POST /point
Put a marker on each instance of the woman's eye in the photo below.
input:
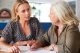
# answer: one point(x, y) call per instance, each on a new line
point(28, 9)
point(23, 11)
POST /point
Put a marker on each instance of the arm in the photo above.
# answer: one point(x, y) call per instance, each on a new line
point(6, 38)
point(7, 47)
point(24, 43)
point(72, 40)
point(43, 40)
point(3, 43)
point(40, 42)
point(35, 27)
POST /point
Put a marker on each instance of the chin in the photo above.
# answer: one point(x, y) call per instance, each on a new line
point(26, 19)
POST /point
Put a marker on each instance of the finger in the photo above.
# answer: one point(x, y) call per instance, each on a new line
point(10, 50)
point(13, 49)
point(31, 41)
point(51, 48)
point(17, 50)
point(33, 46)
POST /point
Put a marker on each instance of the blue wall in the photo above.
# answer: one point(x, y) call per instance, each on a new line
point(2, 25)
point(44, 26)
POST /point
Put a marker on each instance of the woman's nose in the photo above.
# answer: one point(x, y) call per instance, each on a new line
point(26, 13)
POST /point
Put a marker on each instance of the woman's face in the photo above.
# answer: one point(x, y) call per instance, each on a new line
point(23, 12)
point(53, 17)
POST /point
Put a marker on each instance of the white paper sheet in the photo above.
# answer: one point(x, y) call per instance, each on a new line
point(26, 49)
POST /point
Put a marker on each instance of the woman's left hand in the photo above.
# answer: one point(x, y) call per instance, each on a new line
point(53, 47)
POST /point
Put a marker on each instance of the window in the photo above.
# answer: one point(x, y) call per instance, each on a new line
point(41, 11)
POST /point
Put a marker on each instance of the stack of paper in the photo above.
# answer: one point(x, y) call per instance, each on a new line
point(26, 49)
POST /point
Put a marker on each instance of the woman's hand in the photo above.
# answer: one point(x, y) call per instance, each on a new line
point(30, 42)
point(36, 45)
point(14, 49)
point(53, 47)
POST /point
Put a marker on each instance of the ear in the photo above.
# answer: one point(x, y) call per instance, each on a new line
point(17, 13)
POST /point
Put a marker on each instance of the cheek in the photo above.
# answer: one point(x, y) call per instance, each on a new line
point(54, 19)
point(51, 17)
point(21, 14)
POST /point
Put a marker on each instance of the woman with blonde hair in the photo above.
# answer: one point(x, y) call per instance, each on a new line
point(63, 36)
point(22, 29)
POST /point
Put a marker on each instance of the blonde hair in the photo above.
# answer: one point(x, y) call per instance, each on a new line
point(15, 7)
point(64, 13)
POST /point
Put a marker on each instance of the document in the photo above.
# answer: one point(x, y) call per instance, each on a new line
point(26, 49)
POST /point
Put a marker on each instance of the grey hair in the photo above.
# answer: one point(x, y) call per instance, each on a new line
point(64, 13)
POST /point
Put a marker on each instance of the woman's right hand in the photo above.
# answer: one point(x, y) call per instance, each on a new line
point(14, 49)
point(36, 45)
point(31, 42)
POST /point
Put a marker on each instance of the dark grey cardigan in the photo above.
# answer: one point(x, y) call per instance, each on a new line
point(13, 31)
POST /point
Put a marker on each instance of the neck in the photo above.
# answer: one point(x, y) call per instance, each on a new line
point(60, 25)
point(23, 23)
point(60, 28)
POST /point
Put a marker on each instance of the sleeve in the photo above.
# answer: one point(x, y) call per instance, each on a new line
point(7, 33)
point(45, 39)
point(72, 40)
point(35, 27)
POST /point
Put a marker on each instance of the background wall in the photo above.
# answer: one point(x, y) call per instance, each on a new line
point(43, 19)
point(9, 3)
point(6, 3)
point(78, 8)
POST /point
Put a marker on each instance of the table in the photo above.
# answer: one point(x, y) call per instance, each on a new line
point(25, 49)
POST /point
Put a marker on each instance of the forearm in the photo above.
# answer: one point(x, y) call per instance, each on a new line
point(9, 48)
point(24, 43)
point(4, 44)
point(21, 43)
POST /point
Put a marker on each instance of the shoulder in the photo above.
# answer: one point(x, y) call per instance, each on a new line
point(73, 31)
point(11, 24)
point(50, 30)
point(34, 22)
point(72, 27)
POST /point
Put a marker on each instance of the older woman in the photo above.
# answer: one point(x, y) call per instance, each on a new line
point(22, 30)
point(63, 36)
